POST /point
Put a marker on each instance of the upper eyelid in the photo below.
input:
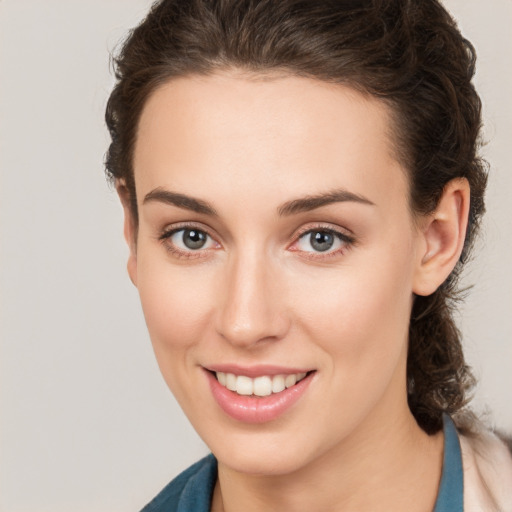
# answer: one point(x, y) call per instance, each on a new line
point(320, 228)
point(170, 230)
point(343, 232)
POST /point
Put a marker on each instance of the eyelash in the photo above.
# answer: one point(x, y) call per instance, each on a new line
point(347, 242)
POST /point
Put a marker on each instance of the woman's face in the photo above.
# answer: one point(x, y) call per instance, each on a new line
point(274, 239)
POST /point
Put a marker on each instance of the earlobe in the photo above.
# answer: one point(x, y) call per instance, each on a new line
point(131, 267)
point(442, 237)
point(130, 230)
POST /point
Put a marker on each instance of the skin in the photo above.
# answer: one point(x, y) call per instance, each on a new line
point(259, 293)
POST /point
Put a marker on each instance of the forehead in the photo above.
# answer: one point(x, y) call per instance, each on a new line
point(236, 132)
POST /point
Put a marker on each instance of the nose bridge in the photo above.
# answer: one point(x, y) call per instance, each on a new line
point(252, 309)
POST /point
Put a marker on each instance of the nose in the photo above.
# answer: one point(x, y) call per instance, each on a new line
point(252, 302)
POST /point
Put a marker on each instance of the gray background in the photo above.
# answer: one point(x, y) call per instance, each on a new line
point(87, 423)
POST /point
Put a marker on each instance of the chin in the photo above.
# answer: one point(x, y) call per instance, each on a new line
point(266, 457)
point(256, 464)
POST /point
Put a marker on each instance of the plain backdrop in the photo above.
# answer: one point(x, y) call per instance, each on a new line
point(87, 423)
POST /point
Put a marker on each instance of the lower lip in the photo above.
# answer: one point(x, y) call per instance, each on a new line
point(253, 409)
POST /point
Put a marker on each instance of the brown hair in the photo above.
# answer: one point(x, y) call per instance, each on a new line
point(408, 53)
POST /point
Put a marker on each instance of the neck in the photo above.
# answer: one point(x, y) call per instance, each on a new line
point(382, 466)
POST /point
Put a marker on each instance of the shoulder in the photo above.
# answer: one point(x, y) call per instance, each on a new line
point(190, 490)
point(487, 464)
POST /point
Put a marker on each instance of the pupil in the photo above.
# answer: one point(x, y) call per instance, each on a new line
point(322, 241)
point(194, 239)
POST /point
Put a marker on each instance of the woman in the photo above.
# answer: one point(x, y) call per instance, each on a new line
point(301, 188)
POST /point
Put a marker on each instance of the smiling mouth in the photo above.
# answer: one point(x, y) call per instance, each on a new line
point(264, 385)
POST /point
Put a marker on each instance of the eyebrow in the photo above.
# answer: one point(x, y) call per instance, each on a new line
point(292, 207)
point(309, 203)
point(180, 200)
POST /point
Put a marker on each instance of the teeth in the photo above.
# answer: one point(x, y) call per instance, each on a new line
point(278, 384)
point(230, 381)
point(244, 385)
point(290, 381)
point(222, 378)
point(260, 386)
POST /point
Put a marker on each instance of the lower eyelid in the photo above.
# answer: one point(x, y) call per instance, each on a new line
point(186, 255)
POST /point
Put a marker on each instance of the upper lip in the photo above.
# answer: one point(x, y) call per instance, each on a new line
point(256, 370)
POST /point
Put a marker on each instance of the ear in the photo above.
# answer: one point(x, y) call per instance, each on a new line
point(130, 229)
point(442, 236)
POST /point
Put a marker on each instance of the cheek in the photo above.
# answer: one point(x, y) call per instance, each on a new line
point(359, 320)
point(177, 302)
point(360, 313)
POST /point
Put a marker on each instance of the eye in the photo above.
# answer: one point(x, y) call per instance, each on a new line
point(189, 239)
point(322, 241)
